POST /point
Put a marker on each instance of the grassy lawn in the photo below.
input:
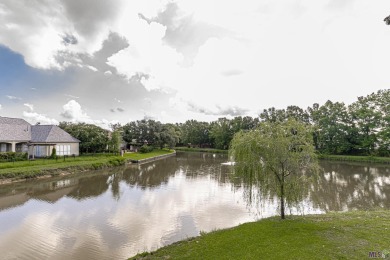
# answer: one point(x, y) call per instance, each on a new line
point(141, 156)
point(350, 235)
point(353, 158)
point(203, 150)
point(38, 167)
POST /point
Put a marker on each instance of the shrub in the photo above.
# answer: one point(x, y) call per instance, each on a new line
point(117, 161)
point(12, 156)
point(53, 153)
point(146, 149)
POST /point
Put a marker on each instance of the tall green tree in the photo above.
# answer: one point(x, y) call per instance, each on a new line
point(222, 133)
point(276, 158)
point(195, 132)
point(93, 138)
point(366, 116)
point(383, 135)
point(169, 136)
point(333, 128)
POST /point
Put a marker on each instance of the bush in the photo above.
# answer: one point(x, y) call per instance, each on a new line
point(12, 156)
point(117, 161)
point(146, 149)
point(53, 153)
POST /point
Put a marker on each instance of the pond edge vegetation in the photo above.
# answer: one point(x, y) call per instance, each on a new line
point(346, 235)
point(43, 168)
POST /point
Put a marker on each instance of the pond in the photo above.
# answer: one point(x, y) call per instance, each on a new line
point(117, 213)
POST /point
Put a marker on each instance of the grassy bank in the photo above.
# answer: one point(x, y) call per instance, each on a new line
point(202, 150)
point(42, 167)
point(353, 158)
point(154, 153)
point(350, 235)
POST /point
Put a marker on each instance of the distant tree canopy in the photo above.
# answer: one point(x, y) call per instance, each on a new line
point(361, 128)
point(94, 139)
point(387, 20)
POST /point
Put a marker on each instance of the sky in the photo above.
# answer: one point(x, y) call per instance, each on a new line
point(104, 62)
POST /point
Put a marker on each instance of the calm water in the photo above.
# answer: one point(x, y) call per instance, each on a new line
point(118, 213)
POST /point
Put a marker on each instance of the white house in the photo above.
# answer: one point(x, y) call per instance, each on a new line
point(17, 135)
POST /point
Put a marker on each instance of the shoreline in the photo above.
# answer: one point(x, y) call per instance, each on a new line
point(333, 235)
point(342, 158)
point(43, 172)
point(355, 158)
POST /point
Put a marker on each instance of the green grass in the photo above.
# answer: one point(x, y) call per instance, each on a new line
point(353, 158)
point(203, 150)
point(39, 167)
point(141, 156)
point(350, 235)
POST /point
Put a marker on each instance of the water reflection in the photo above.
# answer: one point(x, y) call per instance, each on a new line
point(349, 186)
point(117, 213)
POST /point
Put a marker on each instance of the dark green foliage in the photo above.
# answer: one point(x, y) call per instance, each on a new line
point(146, 149)
point(196, 133)
point(94, 139)
point(13, 156)
point(387, 20)
point(53, 153)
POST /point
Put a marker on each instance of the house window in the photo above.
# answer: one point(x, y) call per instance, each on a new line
point(63, 149)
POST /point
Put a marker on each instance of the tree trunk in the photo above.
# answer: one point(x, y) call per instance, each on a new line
point(282, 198)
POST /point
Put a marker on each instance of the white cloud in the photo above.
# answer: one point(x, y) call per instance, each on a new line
point(272, 53)
point(71, 96)
point(92, 68)
point(274, 58)
point(30, 106)
point(13, 98)
point(41, 118)
point(1, 107)
point(73, 112)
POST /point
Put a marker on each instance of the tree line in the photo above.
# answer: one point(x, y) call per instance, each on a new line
point(359, 128)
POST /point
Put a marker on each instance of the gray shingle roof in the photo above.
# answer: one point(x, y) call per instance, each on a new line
point(50, 134)
point(14, 129)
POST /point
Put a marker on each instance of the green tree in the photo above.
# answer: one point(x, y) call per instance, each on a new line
point(387, 20)
point(383, 135)
point(276, 158)
point(115, 141)
point(366, 116)
point(195, 132)
point(169, 136)
point(333, 128)
point(93, 138)
point(222, 133)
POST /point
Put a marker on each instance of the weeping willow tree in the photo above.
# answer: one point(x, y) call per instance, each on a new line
point(276, 158)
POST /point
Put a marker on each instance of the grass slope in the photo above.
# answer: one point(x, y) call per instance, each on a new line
point(349, 235)
point(154, 153)
point(39, 167)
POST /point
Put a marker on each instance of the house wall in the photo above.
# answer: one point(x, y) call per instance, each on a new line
point(19, 147)
point(74, 148)
point(44, 150)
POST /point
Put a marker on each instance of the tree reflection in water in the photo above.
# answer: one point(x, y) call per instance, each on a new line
point(341, 186)
point(351, 186)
